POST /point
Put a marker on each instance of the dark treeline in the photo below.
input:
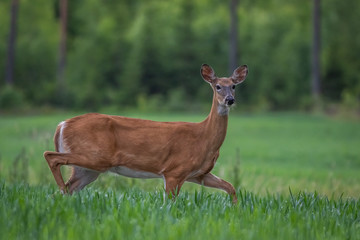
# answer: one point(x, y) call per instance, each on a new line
point(147, 54)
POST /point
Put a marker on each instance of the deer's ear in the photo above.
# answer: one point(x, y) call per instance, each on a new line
point(207, 73)
point(239, 74)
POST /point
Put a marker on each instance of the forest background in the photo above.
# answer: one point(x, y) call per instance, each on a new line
point(146, 55)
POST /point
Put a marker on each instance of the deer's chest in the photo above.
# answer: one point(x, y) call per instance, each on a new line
point(210, 163)
point(206, 165)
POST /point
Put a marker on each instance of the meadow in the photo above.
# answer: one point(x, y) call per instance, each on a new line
point(297, 177)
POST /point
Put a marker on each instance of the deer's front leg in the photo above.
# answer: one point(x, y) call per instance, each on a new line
point(210, 180)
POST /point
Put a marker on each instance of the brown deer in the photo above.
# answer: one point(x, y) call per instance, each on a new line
point(176, 151)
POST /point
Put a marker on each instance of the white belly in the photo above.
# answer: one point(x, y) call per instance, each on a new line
point(128, 172)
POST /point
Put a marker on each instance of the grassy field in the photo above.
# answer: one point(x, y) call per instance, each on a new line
point(297, 175)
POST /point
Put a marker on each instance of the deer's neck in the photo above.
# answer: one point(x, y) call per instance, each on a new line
point(215, 125)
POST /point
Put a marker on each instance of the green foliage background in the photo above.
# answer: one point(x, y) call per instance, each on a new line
point(124, 53)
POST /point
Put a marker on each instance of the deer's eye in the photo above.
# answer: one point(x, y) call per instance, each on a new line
point(218, 87)
point(233, 87)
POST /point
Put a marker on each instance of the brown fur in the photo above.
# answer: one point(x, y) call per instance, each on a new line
point(179, 151)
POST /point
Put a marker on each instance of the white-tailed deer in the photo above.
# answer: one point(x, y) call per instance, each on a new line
point(176, 151)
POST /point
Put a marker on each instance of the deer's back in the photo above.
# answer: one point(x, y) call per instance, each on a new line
point(131, 142)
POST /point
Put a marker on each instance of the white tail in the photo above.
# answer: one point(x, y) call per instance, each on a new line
point(176, 151)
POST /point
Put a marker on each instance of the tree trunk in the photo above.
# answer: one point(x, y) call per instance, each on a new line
point(233, 50)
point(315, 80)
point(9, 71)
point(62, 45)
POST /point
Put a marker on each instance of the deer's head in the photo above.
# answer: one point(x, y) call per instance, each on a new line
point(224, 88)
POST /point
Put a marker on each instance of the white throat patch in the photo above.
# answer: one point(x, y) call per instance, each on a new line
point(223, 109)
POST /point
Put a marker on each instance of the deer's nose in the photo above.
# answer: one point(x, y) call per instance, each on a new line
point(229, 100)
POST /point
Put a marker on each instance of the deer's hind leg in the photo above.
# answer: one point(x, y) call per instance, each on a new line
point(79, 180)
point(80, 177)
point(54, 166)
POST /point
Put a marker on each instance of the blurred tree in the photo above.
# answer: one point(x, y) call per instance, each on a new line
point(277, 52)
point(341, 45)
point(62, 45)
point(36, 51)
point(163, 57)
point(185, 70)
point(233, 49)
point(98, 51)
point(316, 51)
point(11, 43)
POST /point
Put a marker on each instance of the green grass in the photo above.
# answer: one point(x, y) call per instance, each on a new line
point(317, 157)
point(41, 213)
